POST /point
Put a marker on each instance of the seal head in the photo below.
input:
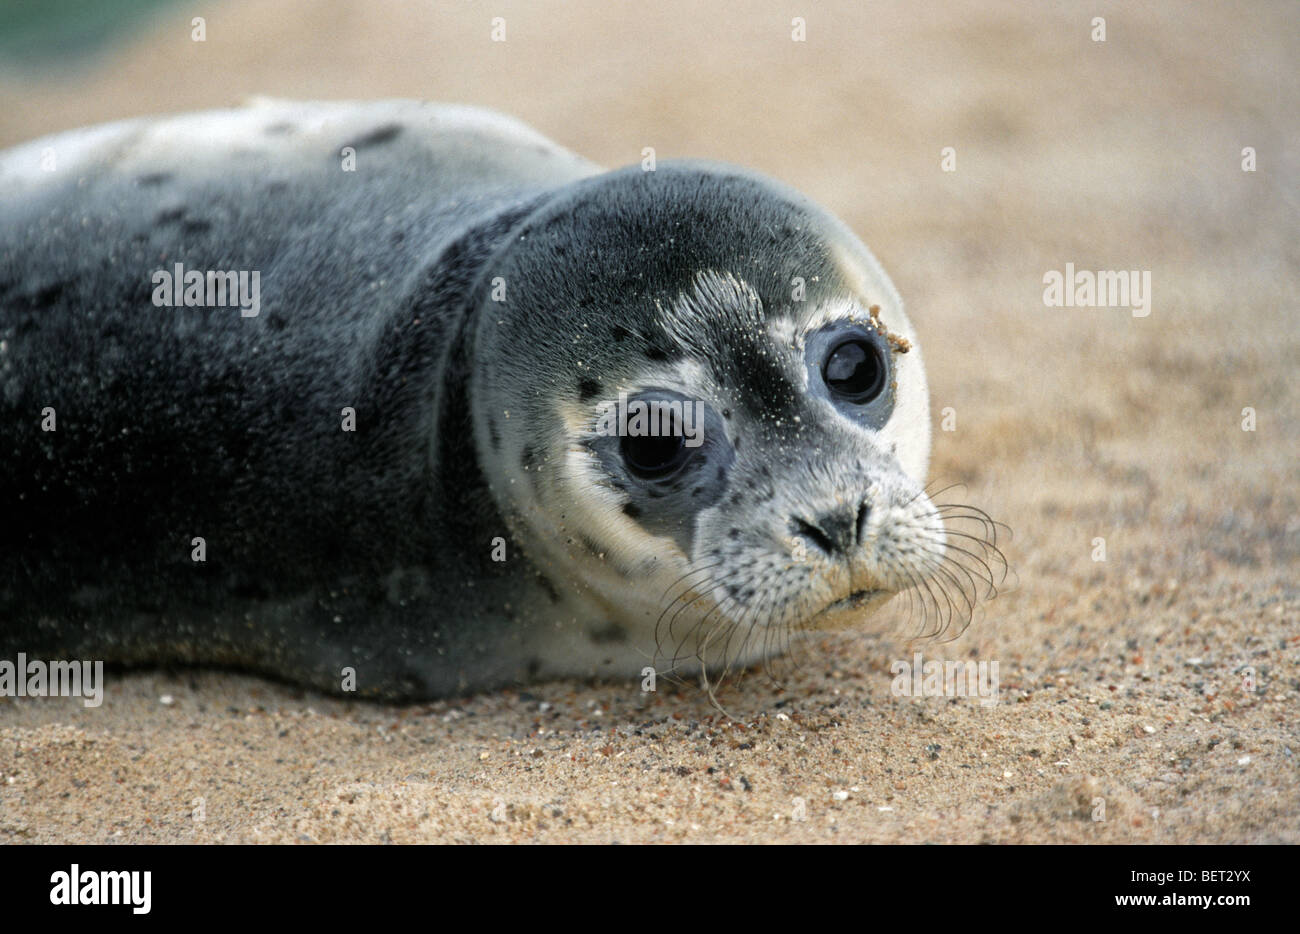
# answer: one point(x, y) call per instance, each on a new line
point(800, 503)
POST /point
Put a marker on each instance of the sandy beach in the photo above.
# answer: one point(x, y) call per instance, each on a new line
point(1150, 697)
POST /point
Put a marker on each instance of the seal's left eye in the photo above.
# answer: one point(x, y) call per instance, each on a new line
point(855, 370)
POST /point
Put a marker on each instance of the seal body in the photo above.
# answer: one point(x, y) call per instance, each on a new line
point(382, 467)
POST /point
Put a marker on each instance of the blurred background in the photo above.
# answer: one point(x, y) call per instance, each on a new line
point(1070, 424)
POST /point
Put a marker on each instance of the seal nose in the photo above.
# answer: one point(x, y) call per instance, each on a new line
point(836, 533)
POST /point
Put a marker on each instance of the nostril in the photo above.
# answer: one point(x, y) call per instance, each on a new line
point(860, 526)
point(814, 535)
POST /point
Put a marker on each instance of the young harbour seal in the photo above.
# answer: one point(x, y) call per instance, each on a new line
point(316, 390)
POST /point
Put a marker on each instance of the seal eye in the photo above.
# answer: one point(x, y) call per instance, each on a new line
point(653, 457)
point(854, 370)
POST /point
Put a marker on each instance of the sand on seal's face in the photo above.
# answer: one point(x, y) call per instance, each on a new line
point(1160, 682)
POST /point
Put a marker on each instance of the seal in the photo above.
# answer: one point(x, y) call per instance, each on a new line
point(355, 395)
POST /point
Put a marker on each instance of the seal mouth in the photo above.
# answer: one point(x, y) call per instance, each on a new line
point(850, 610)
point(854, 601)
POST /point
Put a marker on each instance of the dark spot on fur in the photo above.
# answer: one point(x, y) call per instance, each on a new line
point(588, 389)
point(589, 545)
point(534, 666)
point(529, 458)
point(154, 178)
point(380, 135)
point(620, 333)
point(733, 533)
point(196, 226)
point(169, 216)
point(47, 297)
point(611, 632)
point(632, 510)
point(657, 347)
point(277, 186)
point(493, 436)
point(278, 129)
point(548, 587)
point(397, 237)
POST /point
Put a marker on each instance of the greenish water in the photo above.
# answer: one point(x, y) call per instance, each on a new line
point(35, 34)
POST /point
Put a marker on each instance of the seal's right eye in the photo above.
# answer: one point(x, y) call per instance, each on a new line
point(654, 457)
point(854, 370)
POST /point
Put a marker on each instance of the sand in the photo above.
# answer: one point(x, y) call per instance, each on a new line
point(1156, 690)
